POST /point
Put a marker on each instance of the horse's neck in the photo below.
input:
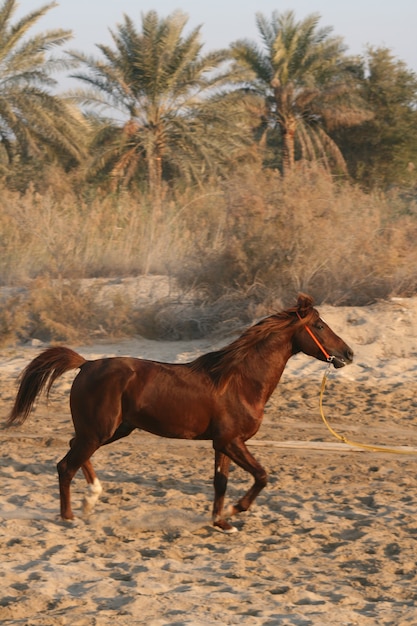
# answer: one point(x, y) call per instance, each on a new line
point(267, 367)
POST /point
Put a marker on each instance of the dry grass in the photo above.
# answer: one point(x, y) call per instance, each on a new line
point(65, 311)
point(245, 246)
point(306, 233)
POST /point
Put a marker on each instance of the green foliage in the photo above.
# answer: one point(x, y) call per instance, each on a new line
point(307, 85)
point(166, 117)
point(161, 115)
point(383, 151)
point(34, 124)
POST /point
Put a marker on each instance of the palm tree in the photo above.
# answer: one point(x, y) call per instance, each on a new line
point(33, 122)
point(167, 110)
point(306, 83)
point(383, 151)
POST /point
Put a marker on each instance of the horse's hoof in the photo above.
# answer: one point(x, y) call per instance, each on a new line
point(68, 521)
point(224, 527)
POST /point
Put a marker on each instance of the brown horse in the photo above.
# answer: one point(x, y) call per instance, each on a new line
point(220, 396)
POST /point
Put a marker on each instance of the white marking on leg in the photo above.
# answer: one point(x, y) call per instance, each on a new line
point(229, 512)
point(223, 526)
point(94, 491)
point(227, 531)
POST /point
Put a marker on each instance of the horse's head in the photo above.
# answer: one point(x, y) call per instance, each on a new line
point(315, 338)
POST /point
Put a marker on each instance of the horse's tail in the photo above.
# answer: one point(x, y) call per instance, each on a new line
point(40, 374)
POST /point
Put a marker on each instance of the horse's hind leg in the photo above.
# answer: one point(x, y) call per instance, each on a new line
point(221, 473)
point(78, 456)
point(94, 487)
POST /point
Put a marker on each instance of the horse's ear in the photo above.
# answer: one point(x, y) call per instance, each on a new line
point(304, 304)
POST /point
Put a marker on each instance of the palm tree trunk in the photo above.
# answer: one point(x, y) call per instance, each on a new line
point(155, 193)
point(288, 151)
point(155, 185)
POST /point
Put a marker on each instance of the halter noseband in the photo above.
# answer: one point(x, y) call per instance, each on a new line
point(329, 358)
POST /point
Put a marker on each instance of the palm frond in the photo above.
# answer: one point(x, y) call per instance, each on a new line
point(31, 116)
point(171, 113)
point(307, 82)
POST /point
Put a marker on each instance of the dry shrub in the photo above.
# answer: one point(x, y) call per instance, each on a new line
point(71, 238)
point(199, 317)
point(239, 248)
point(307, 233)
point(66, 311)
point(14, 320)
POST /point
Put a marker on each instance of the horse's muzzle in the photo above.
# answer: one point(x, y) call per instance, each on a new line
point(339, 360)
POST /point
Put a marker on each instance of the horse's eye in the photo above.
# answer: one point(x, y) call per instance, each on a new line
point(319, 326)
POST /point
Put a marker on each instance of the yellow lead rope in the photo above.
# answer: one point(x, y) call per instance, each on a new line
point(356, 444)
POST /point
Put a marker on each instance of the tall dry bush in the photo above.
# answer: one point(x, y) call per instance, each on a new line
point(67, 236)
point(70, 311)
point(242, 247)
point(307, 233)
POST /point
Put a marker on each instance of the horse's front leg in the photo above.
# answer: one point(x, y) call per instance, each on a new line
point(239, 454)
point(221, 474)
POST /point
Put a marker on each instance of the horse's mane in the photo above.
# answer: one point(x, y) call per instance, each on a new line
point(222, 364)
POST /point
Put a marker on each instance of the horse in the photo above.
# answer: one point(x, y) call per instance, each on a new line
point(219, 396)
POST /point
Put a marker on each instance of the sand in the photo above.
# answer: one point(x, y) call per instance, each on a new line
point(331, 540)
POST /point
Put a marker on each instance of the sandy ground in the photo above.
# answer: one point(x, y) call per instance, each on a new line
point(331, 540)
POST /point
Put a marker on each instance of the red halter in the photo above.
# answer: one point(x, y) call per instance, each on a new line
point(316, 341)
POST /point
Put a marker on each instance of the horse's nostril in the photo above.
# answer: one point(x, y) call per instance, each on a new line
point(349, 355)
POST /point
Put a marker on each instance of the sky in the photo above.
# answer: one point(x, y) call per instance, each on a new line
point(390, 24)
